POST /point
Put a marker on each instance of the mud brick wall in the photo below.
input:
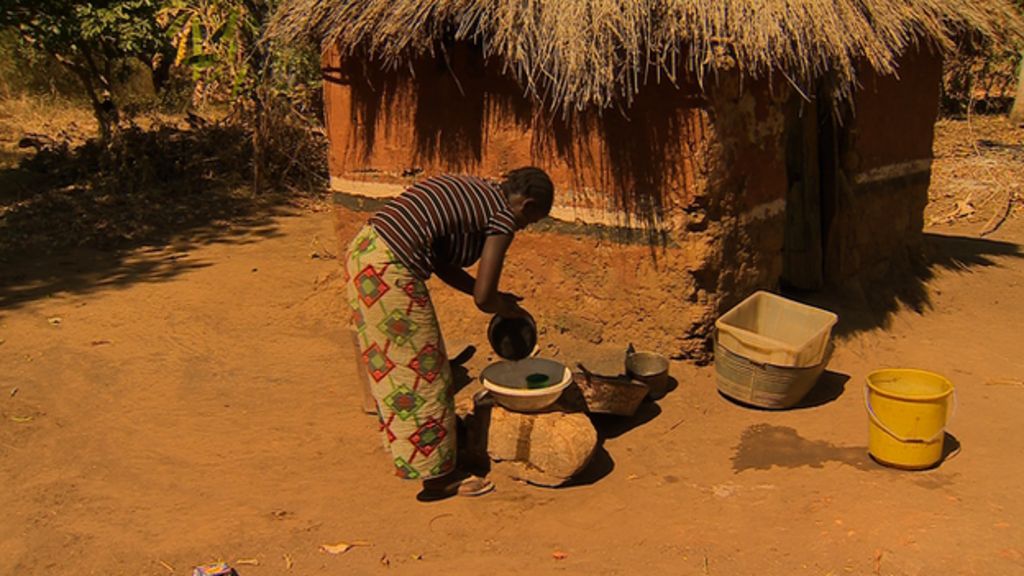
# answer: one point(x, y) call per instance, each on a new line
point(886, 159)
point(664, 217)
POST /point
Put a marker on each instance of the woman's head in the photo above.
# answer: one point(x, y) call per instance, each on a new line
point(530, 194)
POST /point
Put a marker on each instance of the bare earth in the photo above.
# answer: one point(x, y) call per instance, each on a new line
point(197, 401)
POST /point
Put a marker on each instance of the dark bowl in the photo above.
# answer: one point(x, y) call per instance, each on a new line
point(512, 338)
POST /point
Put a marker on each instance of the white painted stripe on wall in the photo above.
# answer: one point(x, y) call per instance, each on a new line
point(383, 191)
point(367, 189)
point(894, 171)
point(764, 211)
point(617, 218)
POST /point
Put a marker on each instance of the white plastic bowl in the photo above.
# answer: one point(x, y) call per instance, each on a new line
point(513, 393)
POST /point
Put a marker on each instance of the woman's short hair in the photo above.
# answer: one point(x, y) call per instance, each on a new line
point(533, 183)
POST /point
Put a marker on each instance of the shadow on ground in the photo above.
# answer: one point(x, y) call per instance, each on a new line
point(74, 218)
point(870, 304)
point(612, 426)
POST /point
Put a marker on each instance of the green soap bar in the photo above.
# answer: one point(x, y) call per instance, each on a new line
point(534, 381)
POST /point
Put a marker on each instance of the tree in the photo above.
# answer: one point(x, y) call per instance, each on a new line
point(93, 40)
point(221, 43)
point(1017, 112)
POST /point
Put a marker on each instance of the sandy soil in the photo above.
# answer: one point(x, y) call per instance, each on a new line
point(197, 401)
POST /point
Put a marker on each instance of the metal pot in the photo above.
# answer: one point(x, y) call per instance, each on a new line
point(649, 368)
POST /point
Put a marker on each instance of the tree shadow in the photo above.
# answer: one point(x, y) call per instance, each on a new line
point(871, 302)
point(87, 217)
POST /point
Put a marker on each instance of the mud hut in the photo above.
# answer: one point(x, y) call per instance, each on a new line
point(701, 149)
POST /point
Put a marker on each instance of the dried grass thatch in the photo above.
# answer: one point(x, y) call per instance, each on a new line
point(578, 53)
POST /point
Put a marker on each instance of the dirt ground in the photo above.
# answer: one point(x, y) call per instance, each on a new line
point(193, 401)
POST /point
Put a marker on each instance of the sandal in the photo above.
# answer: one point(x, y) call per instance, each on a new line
point(470, 486)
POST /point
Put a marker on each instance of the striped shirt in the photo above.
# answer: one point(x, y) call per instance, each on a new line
point(443, 220)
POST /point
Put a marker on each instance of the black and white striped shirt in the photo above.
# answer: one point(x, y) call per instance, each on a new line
point(444, 219)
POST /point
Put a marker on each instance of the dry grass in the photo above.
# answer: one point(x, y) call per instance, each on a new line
point(25, 116)
point(161, 177)
point(976, 173)
point(577, 53)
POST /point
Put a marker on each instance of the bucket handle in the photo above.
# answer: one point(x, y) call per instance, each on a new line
point(878, 421)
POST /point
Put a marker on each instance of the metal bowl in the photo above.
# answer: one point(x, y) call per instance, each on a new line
point(512, 338)
point(651, 369)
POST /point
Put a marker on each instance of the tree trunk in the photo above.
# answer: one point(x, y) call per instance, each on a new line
point(1017, 113)
point(102, 100)
point(101, 107)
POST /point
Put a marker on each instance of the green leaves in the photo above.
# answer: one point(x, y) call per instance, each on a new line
point(211, 37)
point(93, 39)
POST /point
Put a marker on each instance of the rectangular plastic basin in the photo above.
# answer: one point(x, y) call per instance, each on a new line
point(769, 329)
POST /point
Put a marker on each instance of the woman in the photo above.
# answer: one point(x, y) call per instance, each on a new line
point(438, 226)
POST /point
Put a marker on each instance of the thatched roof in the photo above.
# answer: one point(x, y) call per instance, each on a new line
point(576, 53)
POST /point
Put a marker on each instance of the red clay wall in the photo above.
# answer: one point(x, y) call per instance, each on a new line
point(885, 156)
point(707, 175)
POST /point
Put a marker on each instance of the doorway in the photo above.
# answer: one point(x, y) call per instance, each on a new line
point(812, 171)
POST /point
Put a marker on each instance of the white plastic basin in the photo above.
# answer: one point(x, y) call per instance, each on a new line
point(507, 382)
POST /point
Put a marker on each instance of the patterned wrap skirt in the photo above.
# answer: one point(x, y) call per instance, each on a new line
point(404, 355)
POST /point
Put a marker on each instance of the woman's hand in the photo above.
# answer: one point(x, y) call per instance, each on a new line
point(508, 306)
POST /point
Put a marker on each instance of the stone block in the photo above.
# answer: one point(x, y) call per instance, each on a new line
point(546, 449)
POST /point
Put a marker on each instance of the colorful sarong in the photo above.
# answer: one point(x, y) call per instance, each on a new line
point(404, 354)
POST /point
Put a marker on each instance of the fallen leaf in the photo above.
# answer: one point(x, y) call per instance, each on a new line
point(385, 561)
point(21, 419)
point(417, 556)
point(14, 391)
point(100, 342)
point(559, 555)
point(342, 547)
point(632, 477)
point(55, 320)
point(288, 562)
point(247, 562)
point(964, 208)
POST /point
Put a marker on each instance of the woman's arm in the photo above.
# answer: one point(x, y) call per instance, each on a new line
point(485, 290)
point(455, 277)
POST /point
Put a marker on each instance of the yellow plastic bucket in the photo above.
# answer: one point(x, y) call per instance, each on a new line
point(907, 412)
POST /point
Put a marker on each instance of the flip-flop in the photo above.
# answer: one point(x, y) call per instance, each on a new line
point(475, 486)
point(471, 486)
